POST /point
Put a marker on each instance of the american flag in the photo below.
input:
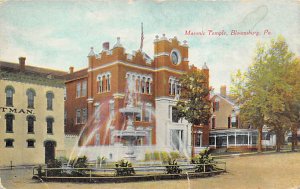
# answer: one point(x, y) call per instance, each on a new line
point(142, 38)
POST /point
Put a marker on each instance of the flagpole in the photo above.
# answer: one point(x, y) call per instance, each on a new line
point(142, 37)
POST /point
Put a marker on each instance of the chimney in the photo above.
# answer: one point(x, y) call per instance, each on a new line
point(71, 69)
point(105, 46)
point(223, 90)
point(22, 63)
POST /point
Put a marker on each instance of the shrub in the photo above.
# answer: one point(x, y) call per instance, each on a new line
point(164, 157)
point(156, 155)
point(63, 159)
point(204, 157)
point(124, 168)
point(81, 162)
point(147, 156)
point(54, 164)
point(173, 168)
point(174, 155)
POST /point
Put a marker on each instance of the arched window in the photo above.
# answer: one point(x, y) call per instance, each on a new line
point(143, 85)
point(49, 121)
point(173, 88)
point(138, 84)
point(147, 86)
point(108, 83)
point(50, 97)
point(9, 122)
point(30, 123)
point(104, 87)
point(30, 98)
point(9, 91)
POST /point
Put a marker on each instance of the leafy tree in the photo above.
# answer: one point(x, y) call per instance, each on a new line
point(270, 91)
point(194, 104)
point(292, 100)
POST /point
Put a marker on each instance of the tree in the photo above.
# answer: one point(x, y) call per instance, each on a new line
point(194, 104)
point(292, 102)
point(270, 90)
point(250, 111)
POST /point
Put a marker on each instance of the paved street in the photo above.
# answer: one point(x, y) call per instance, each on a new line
point(275, 171)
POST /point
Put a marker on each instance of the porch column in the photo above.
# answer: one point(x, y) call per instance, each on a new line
point(227, 140)
point(180, 141)
point(248, 138)
point(215, 141)
point(234, 138)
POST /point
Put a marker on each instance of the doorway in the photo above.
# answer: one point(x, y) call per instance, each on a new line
point(49, 150)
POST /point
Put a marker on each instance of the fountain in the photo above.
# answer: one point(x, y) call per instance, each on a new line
point(130, 134)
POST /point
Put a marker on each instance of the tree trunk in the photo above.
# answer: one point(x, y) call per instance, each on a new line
point(278, 142)
point(294, 136)
point(259, 139)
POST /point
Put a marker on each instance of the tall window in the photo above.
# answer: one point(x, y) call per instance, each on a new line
point(108, 83)
point(139, 85)
point(150, 82)
point(78, 90)
point(49, 121)
point(173, 89)
point(9, 143)
point(30, 98)
point(229, 121)
point(213, 123)
point(78, 116)
point(9, 122)
point(198, 139)
point(9, 90)
point(147, 86)
point(100, 85)
point(50, 97)
point(178, 89)
point(175, 118)
point(84, 88)
point(30, 124)
point(84, 115)
point(143, 85)
point(104, 83)
point(174, 86)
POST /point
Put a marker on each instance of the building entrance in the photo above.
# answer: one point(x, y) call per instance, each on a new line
point(49, 150)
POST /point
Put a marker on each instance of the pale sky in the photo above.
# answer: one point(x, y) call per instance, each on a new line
point(59, 34)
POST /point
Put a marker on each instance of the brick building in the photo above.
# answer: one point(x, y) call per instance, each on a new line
point(95, 95)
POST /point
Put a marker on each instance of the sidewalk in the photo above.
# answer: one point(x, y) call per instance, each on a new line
point(269, 152)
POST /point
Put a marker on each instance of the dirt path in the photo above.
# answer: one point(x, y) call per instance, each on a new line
point(276, 171)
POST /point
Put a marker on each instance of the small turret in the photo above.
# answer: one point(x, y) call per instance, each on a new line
point(92, 53)
point(118, 44)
